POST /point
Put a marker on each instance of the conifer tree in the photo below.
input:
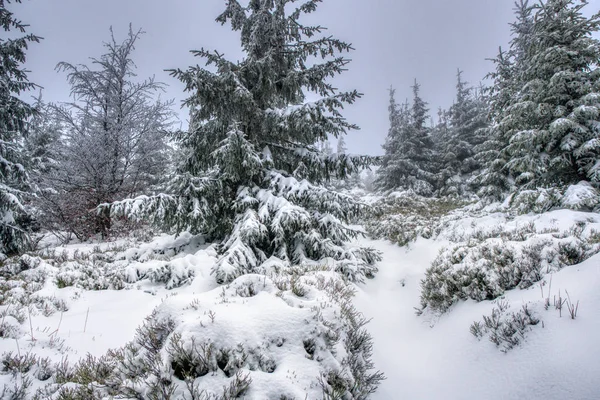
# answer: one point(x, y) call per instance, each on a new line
point(398, 117)
point(410, 161)
point(493, 181)
point(341, 145)
point(553, 122)
point(324, 147)
point(14, 116)
point(545, 100)
point(252, 176)
point(461, 132)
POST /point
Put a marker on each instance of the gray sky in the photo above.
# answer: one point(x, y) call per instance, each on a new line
point(395, 40)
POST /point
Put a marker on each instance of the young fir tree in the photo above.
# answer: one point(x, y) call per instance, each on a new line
point(553, 121)
point(14, 115)
point(252, 174)
point(324, 148)
point(462, 130)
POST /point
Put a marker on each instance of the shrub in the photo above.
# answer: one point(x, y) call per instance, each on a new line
point(506, 330)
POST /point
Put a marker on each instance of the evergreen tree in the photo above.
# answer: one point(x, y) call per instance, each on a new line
point(545, 101)
point(553, 122)
point(14, 115)
point(493, 181)
point(410, 160)
point(460, 134)
point(398, 116)
point(324, 147)
point(252, 174)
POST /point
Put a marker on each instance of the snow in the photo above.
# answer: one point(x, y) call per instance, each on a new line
point(265, 322)
point(430, 357)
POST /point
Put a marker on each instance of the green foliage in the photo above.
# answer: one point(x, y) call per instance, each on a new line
point(546, 97)
point(404, 218)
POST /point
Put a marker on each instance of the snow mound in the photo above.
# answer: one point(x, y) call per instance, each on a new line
point(283, 337)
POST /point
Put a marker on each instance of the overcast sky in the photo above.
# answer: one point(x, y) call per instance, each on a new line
point(396, 41)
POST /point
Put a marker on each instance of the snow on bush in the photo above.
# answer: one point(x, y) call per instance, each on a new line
point(289, 336)
point(403, 217)
point(31, 284)
point(501, 258)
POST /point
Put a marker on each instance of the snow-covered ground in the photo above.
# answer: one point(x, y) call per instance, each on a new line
point(282, 328)
point(438, 358)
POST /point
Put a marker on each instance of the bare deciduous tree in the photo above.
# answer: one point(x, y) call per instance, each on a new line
point(114, 139)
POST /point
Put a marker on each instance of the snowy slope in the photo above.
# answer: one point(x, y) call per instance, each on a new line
point(428, 357)
point(284, 332)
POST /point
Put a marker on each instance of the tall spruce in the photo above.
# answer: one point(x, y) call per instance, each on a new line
point(553, 122)
point(494, 181)
point(14, 116)
point(252, 176)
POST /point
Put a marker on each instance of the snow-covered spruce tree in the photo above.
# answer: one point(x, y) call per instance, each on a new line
point(493, 181)
point(113, 145)
point(409, 162)
point(461, 132)
point(43, 140)
point(399, 120)
point(554, 121)
point(253, 171)
point(14, 115)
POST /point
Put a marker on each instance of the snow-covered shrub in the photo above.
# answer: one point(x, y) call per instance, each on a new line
point(403, 217)
point(169, 274)
point(506, 330)
point(485, 266)
point(247, 339)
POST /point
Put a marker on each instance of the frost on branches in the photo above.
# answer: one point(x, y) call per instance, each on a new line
point(251, 178)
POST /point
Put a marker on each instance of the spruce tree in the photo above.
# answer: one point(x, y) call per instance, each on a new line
point(14, 116)
point(494, 181)
point(462, 132)
point(410, 159)
point(398, 116)
point(553, 122)
point(253, 173)
point(341, 145)
point(545, 101)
